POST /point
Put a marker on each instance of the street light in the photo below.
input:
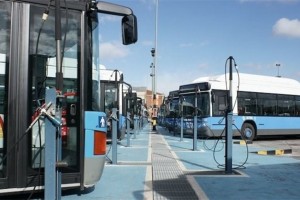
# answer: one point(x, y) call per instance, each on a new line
point(278, 65)
point(154, 109)
point(153, 52)
point(154, 55)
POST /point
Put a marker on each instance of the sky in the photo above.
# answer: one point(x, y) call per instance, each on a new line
point(195, 37)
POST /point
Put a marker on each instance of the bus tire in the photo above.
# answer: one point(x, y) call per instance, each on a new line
point(248, 132)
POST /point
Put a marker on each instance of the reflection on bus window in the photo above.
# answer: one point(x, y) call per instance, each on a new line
point(174, 108)
point(220, 103)
point(96, 70)
point(43, 63)
point(262, 104)
point(110, 97)
point(203, 103)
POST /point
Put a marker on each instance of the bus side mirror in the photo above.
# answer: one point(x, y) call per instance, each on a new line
point(129, 29)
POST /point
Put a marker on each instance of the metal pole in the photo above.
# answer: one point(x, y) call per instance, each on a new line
point(154, 54)
point(59, 86)
point(59, 74)
point(134, 126)
point(128, 129)
point(155, 59)
point(114, 136)
point(228, 143)
point(181, 120)
point(195, 124)
point(59, 150)
point(50, 151)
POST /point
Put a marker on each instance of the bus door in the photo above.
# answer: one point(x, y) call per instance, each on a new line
point(42, 75)
point(27, 69)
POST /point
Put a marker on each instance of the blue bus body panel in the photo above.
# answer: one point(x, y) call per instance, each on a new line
point(265, 125)
point(93, 164)
point(122, 123)
point(267, 122)
point(94, 121)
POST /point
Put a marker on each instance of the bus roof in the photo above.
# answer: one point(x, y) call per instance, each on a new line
point(109, 74)
point(254, 83)
point(174, 93)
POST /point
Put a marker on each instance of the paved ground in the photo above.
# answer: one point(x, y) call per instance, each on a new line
point(160, 166)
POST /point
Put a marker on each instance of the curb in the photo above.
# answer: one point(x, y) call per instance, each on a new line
point(243, 142)
point(274, 152)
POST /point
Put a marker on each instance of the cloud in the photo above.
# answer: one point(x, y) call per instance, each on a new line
point(109, 18)
point(166, 82)
point(203, 66)
point(171, 80)
point(147, 43)
point(287, 27)
point(253, 67)
point(112, 50)
point(189, 44)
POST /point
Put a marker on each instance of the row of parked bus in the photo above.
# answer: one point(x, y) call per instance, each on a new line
point(261, 105)
point(117, 93)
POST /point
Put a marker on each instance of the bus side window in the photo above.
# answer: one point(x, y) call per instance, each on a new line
point(241, 111)
point(220, 103)
point(297, 112)
point(213, 97)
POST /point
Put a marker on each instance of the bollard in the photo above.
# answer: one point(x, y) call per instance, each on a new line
point(134, 127)
point(128, 128)
point(195, 134)
point(50, 151)
point(52, 142)
point(181, 129)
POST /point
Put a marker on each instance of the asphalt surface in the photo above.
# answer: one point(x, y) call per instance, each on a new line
point(145, 170)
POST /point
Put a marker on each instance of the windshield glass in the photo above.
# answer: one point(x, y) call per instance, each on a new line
point(189, 104)
point(96, 67)
point(174, 108)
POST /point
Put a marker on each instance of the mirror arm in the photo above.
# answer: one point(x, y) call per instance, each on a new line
point(129, 87)
point(112, 9)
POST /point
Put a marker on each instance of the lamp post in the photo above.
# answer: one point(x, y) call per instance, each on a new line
point(154, 54)
point(154, 109)
point(152, 76)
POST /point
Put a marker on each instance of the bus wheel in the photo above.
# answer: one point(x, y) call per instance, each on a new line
point(248, 131)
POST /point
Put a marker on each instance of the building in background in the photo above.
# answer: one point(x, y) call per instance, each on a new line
point(147, 96)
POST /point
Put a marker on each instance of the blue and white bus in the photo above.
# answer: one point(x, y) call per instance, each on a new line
point(27, 70)
point(262, 105)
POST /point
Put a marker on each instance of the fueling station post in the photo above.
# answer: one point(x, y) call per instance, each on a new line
point(195, 124)
point(181, 99)
point(228, 124)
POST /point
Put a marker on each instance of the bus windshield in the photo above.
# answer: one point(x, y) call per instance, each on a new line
point(174, 108)
point(188, 104)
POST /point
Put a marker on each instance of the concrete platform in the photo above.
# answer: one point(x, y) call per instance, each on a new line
point(157, 165)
